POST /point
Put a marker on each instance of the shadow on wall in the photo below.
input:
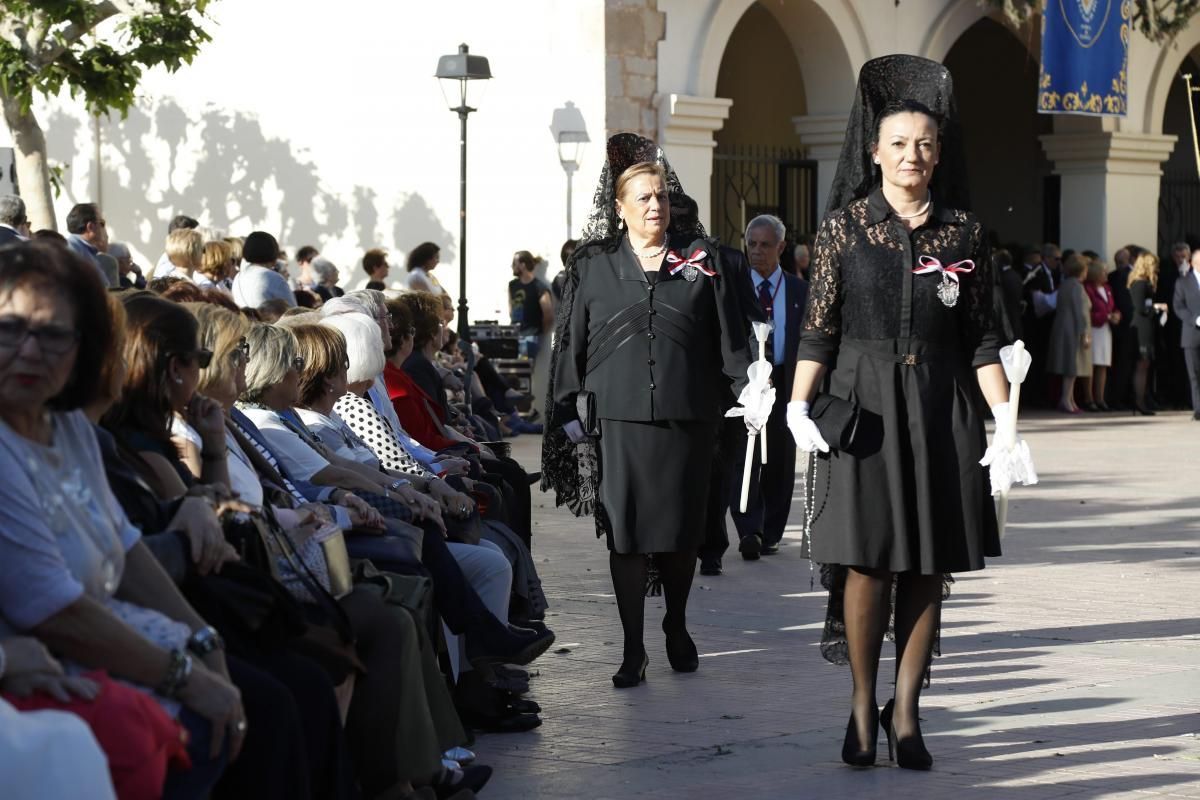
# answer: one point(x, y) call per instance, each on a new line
point(413, 218)
point(238, 171)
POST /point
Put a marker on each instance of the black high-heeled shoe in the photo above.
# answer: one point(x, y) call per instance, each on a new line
point(627, 678)
point(851, 754)
point(1145, 412)
point(908, 753)
point(681, 651)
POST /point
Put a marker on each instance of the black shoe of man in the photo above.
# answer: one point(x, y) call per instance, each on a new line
point(750, 547)
point(770, 549)
point(710, 566)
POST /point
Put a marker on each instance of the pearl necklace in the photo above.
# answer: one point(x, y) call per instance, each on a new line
point(655, 254)
point(922, 212)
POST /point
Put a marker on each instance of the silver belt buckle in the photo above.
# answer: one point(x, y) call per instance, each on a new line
point(910, 360)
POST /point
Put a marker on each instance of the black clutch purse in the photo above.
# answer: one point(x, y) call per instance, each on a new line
point(836, 419)
point(585, 408)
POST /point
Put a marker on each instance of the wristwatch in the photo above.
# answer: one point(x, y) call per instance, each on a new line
point(179, 670)
point(205, 641)
point(396, 484)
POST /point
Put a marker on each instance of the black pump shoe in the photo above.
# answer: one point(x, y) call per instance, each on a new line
point(850, 752)
point(908, 753)
point(626, 678)
point(681, 651)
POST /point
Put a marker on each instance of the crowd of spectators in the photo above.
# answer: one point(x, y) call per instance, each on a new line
point(253, 543)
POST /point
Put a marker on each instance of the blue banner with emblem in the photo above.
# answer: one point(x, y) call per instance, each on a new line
point(1085, 55)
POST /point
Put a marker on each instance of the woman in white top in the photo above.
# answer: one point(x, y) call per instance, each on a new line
point(421, 263)
point(185, 248)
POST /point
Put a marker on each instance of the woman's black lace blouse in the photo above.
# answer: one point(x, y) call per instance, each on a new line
point(862, 258)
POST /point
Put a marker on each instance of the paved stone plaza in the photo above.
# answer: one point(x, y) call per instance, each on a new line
point(1071, 666)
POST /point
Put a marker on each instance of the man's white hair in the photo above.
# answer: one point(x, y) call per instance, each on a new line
point(768, 221)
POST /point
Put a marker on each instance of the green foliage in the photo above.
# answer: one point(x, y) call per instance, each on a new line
point(1158, 20)
point(103, 72)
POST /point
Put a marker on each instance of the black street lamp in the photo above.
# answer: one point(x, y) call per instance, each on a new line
point(570, 132)
point(463, 68)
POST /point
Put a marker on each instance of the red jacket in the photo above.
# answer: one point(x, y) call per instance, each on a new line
point(1103, 303)
point(415, 408)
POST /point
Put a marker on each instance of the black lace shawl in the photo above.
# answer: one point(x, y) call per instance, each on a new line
point(573, 471)
point(881, 81)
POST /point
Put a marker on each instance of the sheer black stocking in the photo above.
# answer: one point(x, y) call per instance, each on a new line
point(629, 584)
point(866, 599)
point(676, 571)
point(918, 612)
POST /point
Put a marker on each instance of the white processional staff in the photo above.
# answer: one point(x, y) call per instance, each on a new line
point(1016, 360)
point(762, 331)
point(754, 406)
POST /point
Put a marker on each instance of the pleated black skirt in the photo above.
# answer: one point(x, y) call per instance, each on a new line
point(911, 496)
point(654, 484)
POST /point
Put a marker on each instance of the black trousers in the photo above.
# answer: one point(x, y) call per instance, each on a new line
point(1192, 358)
point(731, 443)
point(771, 484)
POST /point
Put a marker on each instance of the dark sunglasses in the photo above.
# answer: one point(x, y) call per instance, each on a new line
point(202, 357)
point(52, 339)
point(297, 363)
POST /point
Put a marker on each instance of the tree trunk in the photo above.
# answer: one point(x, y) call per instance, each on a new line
point(33, 168)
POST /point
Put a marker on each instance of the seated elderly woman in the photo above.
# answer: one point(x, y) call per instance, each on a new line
point(272, 391)
point(73, 570)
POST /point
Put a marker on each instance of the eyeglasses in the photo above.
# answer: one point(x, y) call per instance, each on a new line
point(298, 363)
point(202, 357)
point(240, 353)
point(52, 339)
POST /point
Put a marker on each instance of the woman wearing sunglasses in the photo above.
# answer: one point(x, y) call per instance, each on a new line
point(160, 414)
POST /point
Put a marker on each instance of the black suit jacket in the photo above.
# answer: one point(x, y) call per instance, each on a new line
point(1119, 283)
point(1187, 307)
point(795, 293)
point(662, 351)
point(8, 235)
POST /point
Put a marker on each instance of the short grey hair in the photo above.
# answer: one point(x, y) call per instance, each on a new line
point(374, 300)
point(346, 304)
point(272, 349)
point(12, 210)
point(1178, 247)
point(364, 346)
point(323, 268)
point(768, 221)
point(119, 251)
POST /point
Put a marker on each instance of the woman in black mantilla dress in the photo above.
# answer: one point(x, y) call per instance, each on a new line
point(900, 320)
point(651, 328)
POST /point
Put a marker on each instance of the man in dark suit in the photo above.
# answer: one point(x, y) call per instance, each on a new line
point(14, 225)
point(1170, 368)
point(1120, 385)
point(731, 440)
point(1187, 308)
point(782, 297)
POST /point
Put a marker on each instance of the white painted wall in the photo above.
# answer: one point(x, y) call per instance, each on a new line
point(322, 123)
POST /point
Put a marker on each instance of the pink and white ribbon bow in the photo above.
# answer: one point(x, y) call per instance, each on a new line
point(678, 263)
point(930, 264)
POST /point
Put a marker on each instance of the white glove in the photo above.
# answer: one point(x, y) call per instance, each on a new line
point(803, 429)
point(574, 431)
point(1008, 455)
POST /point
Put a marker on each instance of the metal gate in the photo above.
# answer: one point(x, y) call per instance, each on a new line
point(1178, 209)
point(748, 181)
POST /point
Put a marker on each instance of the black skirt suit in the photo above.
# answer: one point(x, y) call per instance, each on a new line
point(1144, 322)
point(659, 352)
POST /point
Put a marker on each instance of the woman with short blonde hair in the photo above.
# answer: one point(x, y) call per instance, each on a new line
point(214, 265)
point(185, 250)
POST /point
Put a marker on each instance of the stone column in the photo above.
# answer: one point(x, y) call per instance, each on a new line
point(1110, 186)
point(632, 31)
point(822, 135)
point(686, 128)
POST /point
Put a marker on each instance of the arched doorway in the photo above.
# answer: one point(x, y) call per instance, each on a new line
point(757, 164)
point(1179, 190)
point(1013, 191)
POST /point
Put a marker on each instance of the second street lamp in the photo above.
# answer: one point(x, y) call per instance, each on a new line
point(462, 68)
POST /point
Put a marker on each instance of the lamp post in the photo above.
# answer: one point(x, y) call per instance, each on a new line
point(463, 68)
point(570, 133)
